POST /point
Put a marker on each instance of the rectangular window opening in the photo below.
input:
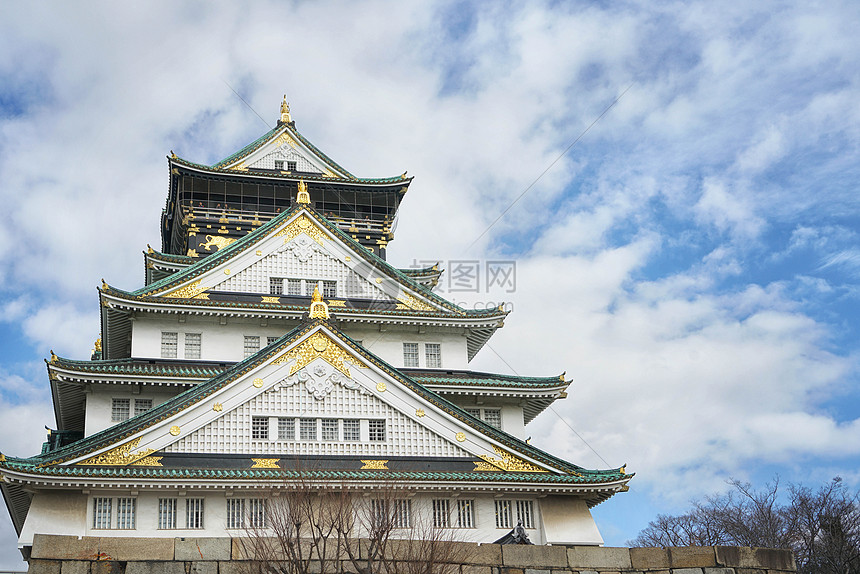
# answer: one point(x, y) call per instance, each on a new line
point(351, 430)
point(410, 354)
point(276, 285)
point(192, 345)
point(252, 345)
point(433, 355)
point(441, 513)
point(102, 512)
point(166, 513)
point(169, 344)
point(141, 406)
point(307, 429)
point(377, 430)
point(120, 410)
point(194, 513)
point(125, 513)
point(330, 429)
point(465, 514)
point(260, 428)
point(286, 428)
point(503, 514)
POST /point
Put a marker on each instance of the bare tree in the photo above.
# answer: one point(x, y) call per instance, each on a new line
point(821, 527)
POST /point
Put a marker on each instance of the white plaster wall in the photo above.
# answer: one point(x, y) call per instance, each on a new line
point(99, 404)
point(567, 520)
point(226, 342)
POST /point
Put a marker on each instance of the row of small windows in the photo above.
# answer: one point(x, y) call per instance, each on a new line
point(121, 408)
point(290, 165)
point(298, 287)
point(347, 430)
point(492, 417)
point(170, 345)
point(432, 355)
point(120, 513)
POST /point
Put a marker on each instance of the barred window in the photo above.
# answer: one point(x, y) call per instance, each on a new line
point(276, 285)
point(102, 512)
point(260, 428)
point(141, 406)
point(377, 430)
point(329, 288)
point(351, 430)
point(410, 354)
point(393, 513)
point(493, 417)
point(286, 428)
point(169, 344)
point(525, 513)
point(192, 345)
point(474, 412)
point(166, 513)
point(441, 513)
point(433, 355)
point(307, 429)
point(252, 345)
point(401, 516)
point(235, 513)
point(329, 429)
point(503, 514)
point(120, 409)
point(125, 513)
point(291, 166)
point(279, 164)
point(194, 513)
point(294, 287)
point(256, 513)
point(465, 513)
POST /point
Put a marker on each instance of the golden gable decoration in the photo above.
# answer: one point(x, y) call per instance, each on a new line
point(187, 292)
point(120, 456)
point(508, 463)
point(301, 224)
point(319, 346)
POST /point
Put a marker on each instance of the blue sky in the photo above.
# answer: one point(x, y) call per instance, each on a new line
point(692, 262)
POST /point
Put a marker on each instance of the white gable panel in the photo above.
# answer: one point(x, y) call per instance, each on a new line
point(231, 433)
point(301, 258)
point(286, 153)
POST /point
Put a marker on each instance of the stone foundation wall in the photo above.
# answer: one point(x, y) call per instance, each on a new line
point(93, 555)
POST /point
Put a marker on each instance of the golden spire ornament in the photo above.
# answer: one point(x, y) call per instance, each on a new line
point(319, 310)
point(285, 111)
point(303, 197)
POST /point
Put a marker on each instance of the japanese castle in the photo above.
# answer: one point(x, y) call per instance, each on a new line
point(272, 341)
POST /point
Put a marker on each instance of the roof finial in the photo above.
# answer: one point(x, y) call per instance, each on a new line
point(319, 310)
point(285, 111)
point(303, 197)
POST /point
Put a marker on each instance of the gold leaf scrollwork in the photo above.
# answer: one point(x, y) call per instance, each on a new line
point(148, 461)
point(374, 465)
point(414, 303)
point(508, 462)
point(119, 456)
point(301, 224)
point(319, 346)
point(269, 299)
point(187, 292)
point(265, 463)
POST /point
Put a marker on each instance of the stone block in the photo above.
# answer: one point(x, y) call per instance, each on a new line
point(203, 567)
point(107, 567)
point(75, 567)
point(506, 570)
point(600, 558)
point(692, 557)
point(116, 548)
point(470, 569)
point(68, 547)
point(750, 571)
point(233, 567)
point(775, 559)
point(536, 571)
point(484, 554)
point(719, 570)
point(534, 556)
point(686, 571)
point(649, 558)
point(44, 566)
point(202, 548)
point(152, 567)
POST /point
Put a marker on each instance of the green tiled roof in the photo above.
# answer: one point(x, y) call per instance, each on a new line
point(470, 378)
point(138, 367)
point(199, 392)
point(256, 144)
point(215, 259)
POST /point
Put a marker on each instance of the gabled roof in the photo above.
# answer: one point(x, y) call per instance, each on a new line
point(279, 349)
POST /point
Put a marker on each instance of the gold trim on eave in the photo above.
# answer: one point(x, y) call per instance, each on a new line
point(119, 456)
point(265, 463)
point(508, 463)
point(187, 292)
point(374, 465)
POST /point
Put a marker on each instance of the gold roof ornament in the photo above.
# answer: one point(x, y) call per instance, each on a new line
point(104, 285)
point(303, 197)
point(285, 111)
point(319, 310)
point(98, 344)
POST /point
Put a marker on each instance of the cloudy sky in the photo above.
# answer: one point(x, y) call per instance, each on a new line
point(692, 262)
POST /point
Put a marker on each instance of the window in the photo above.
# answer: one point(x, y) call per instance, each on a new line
point(377, 430)
point(252, 345)
point(410, 354)
point(235, 513)
point(307, 429)
point(192, 345)
point(525, 513)
point(101, 512)
point(120, 409)
point(441, 513)
point(260, 428)
point(294, 287)
point(503, 514)
point(276, 285)
point(246, 512)
point(394, 513)
point(256, 513)
point(169, 344)
point(309, 287)
point(433, 355)
point(141, 406)
point(465, 513)
point(291, 166)
point(270, 340)
point(279, 164)
point(329, 429)
point(166, 513)
point(286, 429)
point(125, 513)
point(194, 513)
point(329, 288)
point(492, 417)
point(351, 430)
